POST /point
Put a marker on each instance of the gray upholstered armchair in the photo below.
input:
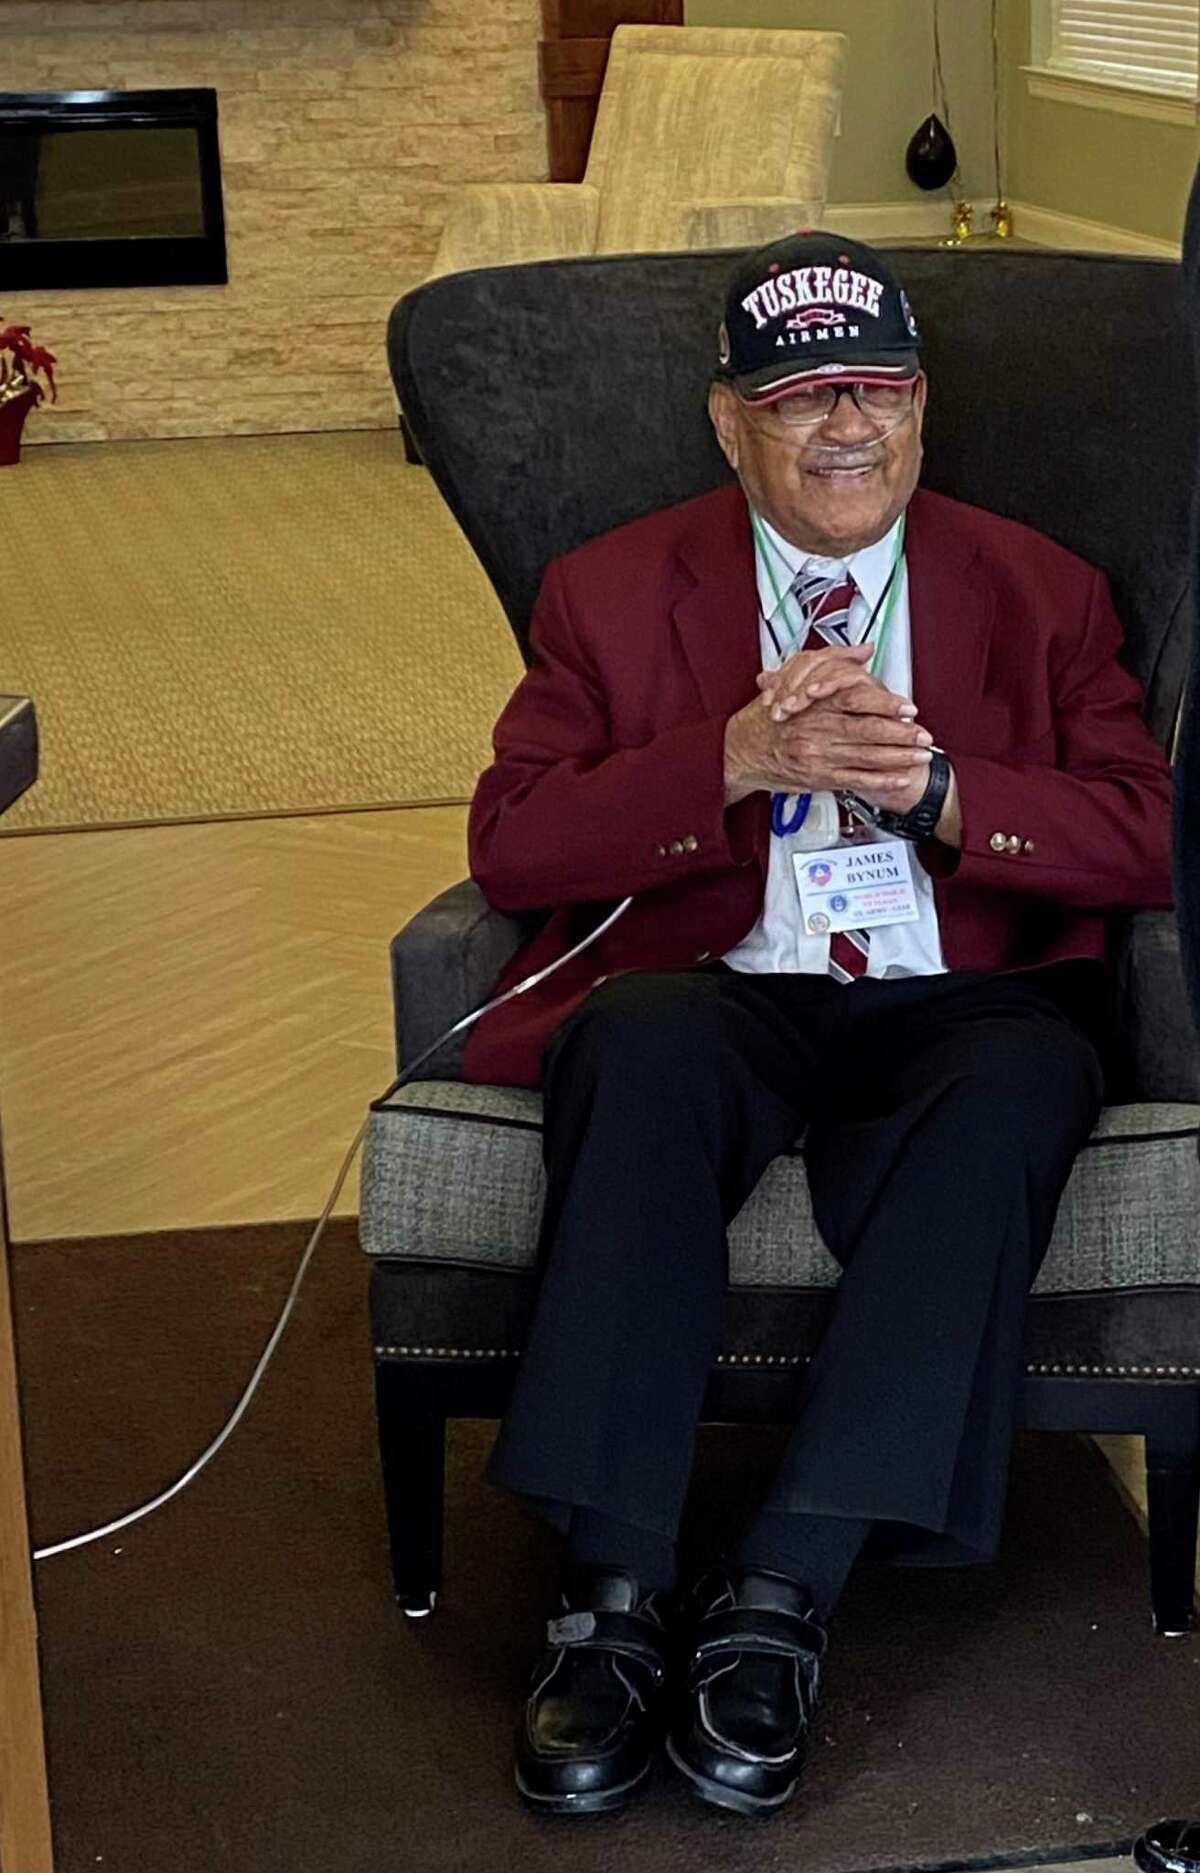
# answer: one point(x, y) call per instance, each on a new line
point(553, 402)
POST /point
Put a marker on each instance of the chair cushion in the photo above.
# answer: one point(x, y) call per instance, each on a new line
point(453, 1173)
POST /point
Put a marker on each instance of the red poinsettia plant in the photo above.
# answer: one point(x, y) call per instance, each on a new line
point(22, 363)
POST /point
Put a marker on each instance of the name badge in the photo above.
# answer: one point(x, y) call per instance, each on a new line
point(856, 887)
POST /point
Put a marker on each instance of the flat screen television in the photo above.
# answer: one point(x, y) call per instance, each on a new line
point(110, 188)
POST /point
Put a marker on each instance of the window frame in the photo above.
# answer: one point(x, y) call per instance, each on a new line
point(1126, 97)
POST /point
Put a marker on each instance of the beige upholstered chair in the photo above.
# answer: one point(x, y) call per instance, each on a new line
point(705, 137)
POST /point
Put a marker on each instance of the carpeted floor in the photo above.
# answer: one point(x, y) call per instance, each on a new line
point(229, 1688)
point(242, 625)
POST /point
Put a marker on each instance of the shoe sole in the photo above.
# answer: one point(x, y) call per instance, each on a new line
point(710, 1790)
point(599, 1801)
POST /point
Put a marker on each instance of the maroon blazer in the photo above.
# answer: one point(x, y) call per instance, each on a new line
point(608, 776)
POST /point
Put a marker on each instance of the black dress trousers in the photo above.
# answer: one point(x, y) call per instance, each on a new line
point(943, 1115)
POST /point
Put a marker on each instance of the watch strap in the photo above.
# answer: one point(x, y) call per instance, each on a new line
point(920, 820)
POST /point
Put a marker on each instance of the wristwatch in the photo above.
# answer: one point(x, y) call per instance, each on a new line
point(920, 820)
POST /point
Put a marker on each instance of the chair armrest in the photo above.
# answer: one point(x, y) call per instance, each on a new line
point(446, 961)
point(1158, 1042)
point(500, 224)
point(751, 222)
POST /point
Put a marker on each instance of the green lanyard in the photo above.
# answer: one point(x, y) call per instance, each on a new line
point(886, 601)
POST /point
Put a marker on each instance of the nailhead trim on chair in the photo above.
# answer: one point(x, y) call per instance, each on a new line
point(446, 1352)
point(1117, 1372)
point(763, 1359)
point(1037, 1368)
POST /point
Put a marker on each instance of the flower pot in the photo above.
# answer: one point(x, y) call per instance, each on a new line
point(13, 412)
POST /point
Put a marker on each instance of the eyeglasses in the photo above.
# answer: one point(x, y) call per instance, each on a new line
point(810, 404)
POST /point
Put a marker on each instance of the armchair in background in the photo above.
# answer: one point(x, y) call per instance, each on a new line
point(705, 137)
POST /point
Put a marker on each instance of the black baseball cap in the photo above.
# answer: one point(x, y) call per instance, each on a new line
point(814, 306)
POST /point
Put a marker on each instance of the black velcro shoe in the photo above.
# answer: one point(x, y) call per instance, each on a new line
point(752, 1661)
point(1169, 1847)
point(593, 1718)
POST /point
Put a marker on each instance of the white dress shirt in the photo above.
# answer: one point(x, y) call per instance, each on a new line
point(779, 943)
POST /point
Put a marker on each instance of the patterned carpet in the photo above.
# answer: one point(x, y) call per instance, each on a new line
point(243, 625)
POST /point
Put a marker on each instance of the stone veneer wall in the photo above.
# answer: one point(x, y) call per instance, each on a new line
point(345, 127)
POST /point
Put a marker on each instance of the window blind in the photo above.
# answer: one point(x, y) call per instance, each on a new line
point(1152, 43)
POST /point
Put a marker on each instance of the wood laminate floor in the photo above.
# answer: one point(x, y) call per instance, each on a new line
point(193, 1018)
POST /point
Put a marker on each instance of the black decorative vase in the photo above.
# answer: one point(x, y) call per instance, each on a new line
point(931, 157)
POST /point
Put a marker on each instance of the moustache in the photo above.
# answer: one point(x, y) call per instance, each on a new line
point(844, 455)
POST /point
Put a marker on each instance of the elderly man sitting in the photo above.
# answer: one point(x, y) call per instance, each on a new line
point(869, 765)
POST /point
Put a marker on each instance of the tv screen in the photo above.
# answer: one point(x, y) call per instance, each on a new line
point(110, 189)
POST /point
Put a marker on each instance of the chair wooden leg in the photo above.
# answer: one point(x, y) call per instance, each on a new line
point(412, 1449)
point(412, 454)
point(1173, 1503)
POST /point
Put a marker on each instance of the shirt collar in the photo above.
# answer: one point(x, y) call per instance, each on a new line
point(777, 566)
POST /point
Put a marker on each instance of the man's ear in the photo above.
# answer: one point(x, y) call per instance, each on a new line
point(919, 397)
point(722, 415)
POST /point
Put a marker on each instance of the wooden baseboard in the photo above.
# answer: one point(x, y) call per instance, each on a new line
point(1044, 227)
point(1050, 229)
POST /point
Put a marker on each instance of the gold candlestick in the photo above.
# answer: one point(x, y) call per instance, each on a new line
point(1001, 219)
point(961, 217)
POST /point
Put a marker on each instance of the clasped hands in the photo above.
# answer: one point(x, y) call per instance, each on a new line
point(821, 723)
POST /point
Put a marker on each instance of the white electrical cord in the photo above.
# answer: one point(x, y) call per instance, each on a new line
point(268, 1352)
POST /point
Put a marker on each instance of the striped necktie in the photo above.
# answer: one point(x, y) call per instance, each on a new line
point(824, 608)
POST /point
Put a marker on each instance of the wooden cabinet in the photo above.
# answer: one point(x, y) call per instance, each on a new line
point(574, 53)
point(24, 1808)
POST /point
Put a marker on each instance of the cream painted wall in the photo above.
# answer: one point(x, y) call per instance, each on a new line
point(1127, 171)
point(888, 83)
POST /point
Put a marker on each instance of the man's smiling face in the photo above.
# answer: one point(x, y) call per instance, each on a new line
point(829, 489)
